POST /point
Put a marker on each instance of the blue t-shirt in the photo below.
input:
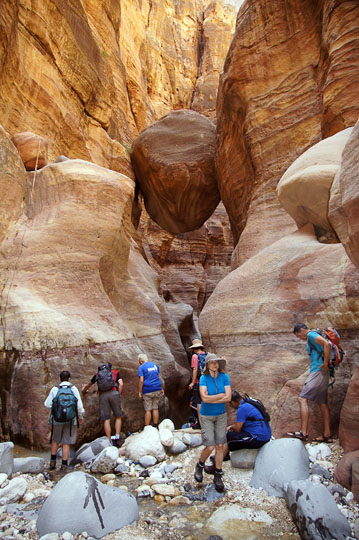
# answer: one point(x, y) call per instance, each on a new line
point(261, 429)
point(150, 373)
point(315, 352)
point(214, 386)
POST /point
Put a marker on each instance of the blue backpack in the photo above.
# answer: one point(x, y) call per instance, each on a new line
point(201, 363)
point(64, 405)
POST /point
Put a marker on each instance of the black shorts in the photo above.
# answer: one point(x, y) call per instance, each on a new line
point(107, 401)
point(243, 439)
point(196, 395)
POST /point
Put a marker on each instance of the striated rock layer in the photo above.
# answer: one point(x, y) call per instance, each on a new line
point(291, 78)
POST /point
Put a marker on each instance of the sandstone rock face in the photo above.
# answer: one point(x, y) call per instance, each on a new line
point(343, 204)
point(174, 164)
point(32, 149)
point(349, 419)
point(277, 97)
point(189, 264)
point(343, 471)
point(76, 292)
point(250, 316)
point(304, 189)
point(90, 77)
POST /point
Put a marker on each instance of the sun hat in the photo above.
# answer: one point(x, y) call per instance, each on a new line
point(196, 344)
point(211, 357)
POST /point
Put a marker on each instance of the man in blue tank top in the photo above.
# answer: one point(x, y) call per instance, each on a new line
point(316, 385)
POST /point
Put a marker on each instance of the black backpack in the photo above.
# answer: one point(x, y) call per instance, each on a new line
point(201, 363)
point(105, 379)
point(64, 405)
point(258, 405)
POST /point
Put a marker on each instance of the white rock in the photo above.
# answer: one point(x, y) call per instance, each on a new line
point(106, 461)
point(67, 536)
point(147, 442)
point(235, 515)
point(41, 492)
point(166, 437)
point(166, 424)
point(3, 479)
point(14, 491)
point(50, 536)
point(28, 497)
point(166, 490)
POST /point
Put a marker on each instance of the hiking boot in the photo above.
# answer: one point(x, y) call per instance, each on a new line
point(198, 473)
point(209, 469)
point(218, 482)
point(52, 464)
point(66, 468)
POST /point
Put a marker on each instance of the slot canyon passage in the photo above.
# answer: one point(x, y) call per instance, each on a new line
point(175, 170)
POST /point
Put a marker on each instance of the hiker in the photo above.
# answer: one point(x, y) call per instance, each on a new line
point(64, 433)
point(316, 386)
point(251, 430)
point(109, 385)
point(215, 391)
point(150, 389)
point(197, 365)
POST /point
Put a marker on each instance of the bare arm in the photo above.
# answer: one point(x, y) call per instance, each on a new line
point(120, 386)
point(163, 385)
point(224, 397)
point(140, 386)
point(326, 351)
point(86, 387)
point(194, 377)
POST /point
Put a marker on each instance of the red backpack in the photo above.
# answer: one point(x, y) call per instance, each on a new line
point(336, 352)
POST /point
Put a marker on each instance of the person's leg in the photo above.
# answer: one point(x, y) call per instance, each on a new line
point(155, 417)
point(147, 418)
point(65, 452)
point(326, 419)
point(107, 427)
point(54, 448)
point(218, 456)
point(304, 415)
point(118, 425)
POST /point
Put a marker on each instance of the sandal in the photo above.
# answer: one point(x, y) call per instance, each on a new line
point(298, 435)
point(324, 439)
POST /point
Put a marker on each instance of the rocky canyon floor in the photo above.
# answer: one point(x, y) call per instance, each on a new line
point(188, 519)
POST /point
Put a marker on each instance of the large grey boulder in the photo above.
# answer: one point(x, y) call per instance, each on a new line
point(87, 452)
point(315, 512)
point(7, 458)
point(106, 461)
point(80, 503)
point(278, 462)
point(29, 465)
point(146, 443)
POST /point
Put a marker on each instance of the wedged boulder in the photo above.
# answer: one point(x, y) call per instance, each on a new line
point(344, 198)
point(80, 503)
point(343, 470)
point(278, 462)
point(166, 437)
point(31, 464)
point(147, 442)
point(315, 512)
point(349, 416)
point(88, 451)
point(304, 188)
point(174, 164)
point(32, 148)
point(7, 458)
point(250, 316)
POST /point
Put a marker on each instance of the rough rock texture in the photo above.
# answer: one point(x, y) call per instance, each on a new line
point(304, 189)
point(290, 79)
point(349, 417)
point(189, 264)
point(250, 316)
point(75, 292)
point(174, 165)
point(343, 471)
point(32, 149)
point(90, 76)
point(344, 198)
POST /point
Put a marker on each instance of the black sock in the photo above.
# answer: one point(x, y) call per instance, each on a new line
point(200, 463)
point(53, 457)
point(217, 470)
point(64, 461)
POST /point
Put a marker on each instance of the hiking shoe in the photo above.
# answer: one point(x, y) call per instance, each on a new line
point(52, 464)
point(198, 473)
point(209, 469)
point(66, 468)
point(218, 482)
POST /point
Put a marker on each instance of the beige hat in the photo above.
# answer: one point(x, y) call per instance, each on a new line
point(211, 357)
point(196, 344)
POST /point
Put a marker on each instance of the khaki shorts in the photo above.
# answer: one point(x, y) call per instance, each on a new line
point(315, 387)
point(213, 429)
point(62, 434)
point(151, 400)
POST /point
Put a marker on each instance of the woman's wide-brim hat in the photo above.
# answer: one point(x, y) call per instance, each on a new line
point(211, 357)
point(196, 344)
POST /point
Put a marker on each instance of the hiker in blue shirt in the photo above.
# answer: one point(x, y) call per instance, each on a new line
point(215, 390)
point(250, 429)
point(150, 388)
point(316, 385)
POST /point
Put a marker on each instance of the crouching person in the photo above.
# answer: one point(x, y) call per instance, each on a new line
point(66, 413)
point(251, 429)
